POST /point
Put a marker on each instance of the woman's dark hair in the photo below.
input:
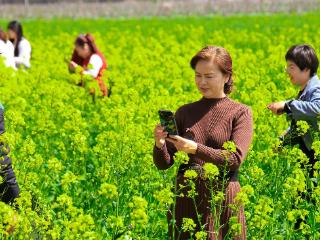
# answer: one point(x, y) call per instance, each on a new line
point(81, 40)
point(220, 57)
point(88, 38)
point(304, 57)
point(16, 27)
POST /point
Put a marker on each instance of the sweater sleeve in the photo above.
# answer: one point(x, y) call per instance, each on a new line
point(24, 53)
point(242, 132)
point(163, 158)
point(95, 65)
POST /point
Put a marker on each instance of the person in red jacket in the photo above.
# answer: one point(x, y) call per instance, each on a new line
point(90, 59)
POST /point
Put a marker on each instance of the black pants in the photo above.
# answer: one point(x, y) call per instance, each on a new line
point(312, 161)
point(9, 188)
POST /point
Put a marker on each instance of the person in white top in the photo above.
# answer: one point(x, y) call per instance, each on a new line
point(87, 56)
point(6, 50)
point(22, 47)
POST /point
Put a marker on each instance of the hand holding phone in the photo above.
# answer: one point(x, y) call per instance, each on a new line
point(159, 136)
point(168, 121)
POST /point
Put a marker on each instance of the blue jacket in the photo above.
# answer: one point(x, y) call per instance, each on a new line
point(307, 107)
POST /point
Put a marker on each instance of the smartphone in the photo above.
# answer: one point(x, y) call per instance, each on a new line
point(168, 122)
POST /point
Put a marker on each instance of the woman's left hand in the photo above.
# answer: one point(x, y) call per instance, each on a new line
point(183, 144)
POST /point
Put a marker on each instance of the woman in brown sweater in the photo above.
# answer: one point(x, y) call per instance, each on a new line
point(204, 126)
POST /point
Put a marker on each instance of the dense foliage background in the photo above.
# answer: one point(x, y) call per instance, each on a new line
point(86, 171)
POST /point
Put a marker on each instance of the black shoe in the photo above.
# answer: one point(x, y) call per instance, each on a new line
point(80, 84)
point(298, 223)
point(110, 88)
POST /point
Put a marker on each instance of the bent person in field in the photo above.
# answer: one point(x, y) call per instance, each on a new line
point(87, 56)
point(204, 126)
point(22, 47)
point(302, 66)
point(9, 189)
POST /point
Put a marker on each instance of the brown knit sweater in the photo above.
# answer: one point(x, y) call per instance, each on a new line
point(210, 123)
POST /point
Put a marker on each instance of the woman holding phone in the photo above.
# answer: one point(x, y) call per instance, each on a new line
point(203, 127)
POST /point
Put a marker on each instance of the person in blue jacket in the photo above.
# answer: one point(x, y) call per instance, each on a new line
point(302, 66)
point(9, 188)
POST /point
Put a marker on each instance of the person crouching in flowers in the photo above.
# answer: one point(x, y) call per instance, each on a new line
point(302, 66)
point(204, 126)
point(22, 47)
point(9, 189)
point(87, 56)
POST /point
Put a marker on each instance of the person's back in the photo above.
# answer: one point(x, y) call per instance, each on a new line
point(23, 58)
point(9, 189)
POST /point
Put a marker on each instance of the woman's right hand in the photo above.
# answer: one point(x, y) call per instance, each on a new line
point(159, 135)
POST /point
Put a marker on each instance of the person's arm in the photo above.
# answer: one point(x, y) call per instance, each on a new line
point(5, 162)
point(163, 155)
point(72, 67)
point(2, 129)
point(24, 54)
point(305, 110)
point(242, 137)
point(94, 65)
point(4, 148)
point(75, 61)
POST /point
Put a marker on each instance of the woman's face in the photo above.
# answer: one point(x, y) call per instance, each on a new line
point(210, 80)
point(297, 76)
point(83, 51)
point(12, 34)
